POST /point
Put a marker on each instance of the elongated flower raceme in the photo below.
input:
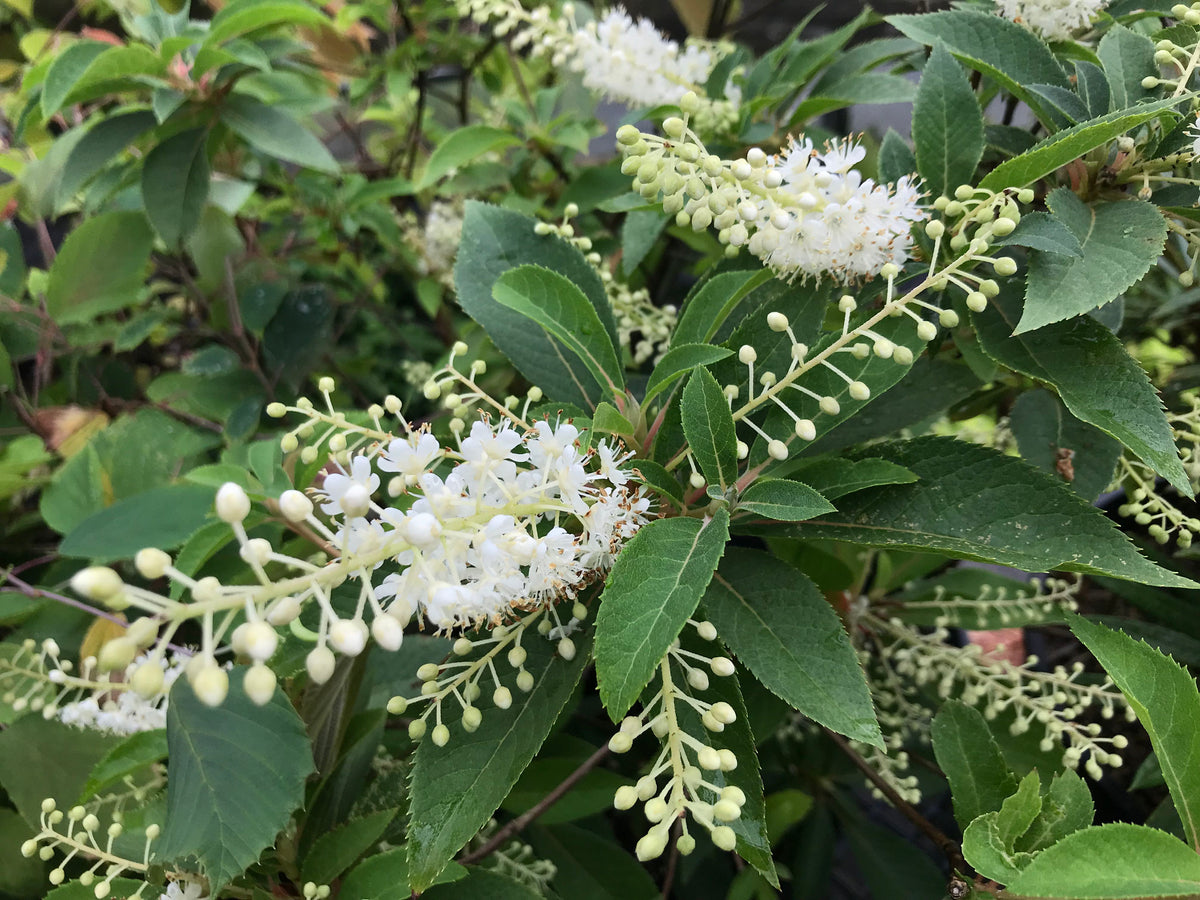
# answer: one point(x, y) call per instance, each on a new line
point(1055, 20)
point(517, 518)
point(804, 212)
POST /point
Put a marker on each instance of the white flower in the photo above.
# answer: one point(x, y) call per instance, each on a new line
point(183, 890)
point(123, 711)
point(411, 456)
point(1055, 20)
point(345, 491)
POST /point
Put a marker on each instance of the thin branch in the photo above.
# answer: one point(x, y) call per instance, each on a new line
point(672, 862)
point(522, 821)
point(950, 848)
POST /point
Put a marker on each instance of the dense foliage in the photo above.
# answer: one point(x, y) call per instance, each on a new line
point(417, 482)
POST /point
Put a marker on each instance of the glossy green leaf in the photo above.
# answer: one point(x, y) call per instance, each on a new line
point(1071, 143)
point(384, 876)
point(456, 788)
point(245, 16)
point(162, 517)
point(980, 779)
point(708, 426)
point(784, 631)
point(479, 883)
point(836, 477)
point(1045, 430)
point(988, 840)
point(1042, 231)
point(658, 478)
point(1001, 49)
point(680, 360)
point(589, 795)
point(639, 233)
point(859, 89)
point(496, 240)
point(335, 851)
point(135, 752)
point(100, 268)
point(1092, 86)
point(175, 176)
point(1120, 242)
point(102, 142)
point(237, 775)
point(561, 309)
point(461, 147)
point(783, 500)
point(1066, 808)
point(654, 586)
point(1164, 696)
point(275, 133)
point(1127, 57)
point(978, 504)
point(895, 158)
point(713, 303)
point(19, 876)
point(65, 71)
point(892, 867)
point(1095, 377)
point(1112, 862)
point(947, 124)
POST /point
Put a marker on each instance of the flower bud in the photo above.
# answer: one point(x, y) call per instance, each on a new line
point(728, 759)
point(859, 391)
point(147, 679)
point(651, 846)
point(320, 663)
point(260, 685)
point(723, 713)
point(686, 844)
point(295, 506)
point(259, 640)
point(566, 649)
point(117, 654)
point(142, 632)
point(471, 718)
point(724, 811)
point(348, 636)
point(625, 797)
point(708, 758)
point(232, 503)
point(440, 735)
point(283, 611)
point(387, 631)
point(525, 681)
point(211, 685)
point(777, 450)
point(98, 583)
point(620, 742)
point(722, 666)
point(724, 837)
point(151, 563)
point(502, 697)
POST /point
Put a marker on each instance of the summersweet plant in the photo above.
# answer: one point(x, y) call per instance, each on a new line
point(406, 497)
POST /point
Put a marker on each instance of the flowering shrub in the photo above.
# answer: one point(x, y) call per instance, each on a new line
point(417, 483)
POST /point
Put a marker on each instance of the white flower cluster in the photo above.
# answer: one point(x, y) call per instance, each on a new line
point(803, 212)
point(520, 517)
point(440, 239)
point(625, 59)
point(123, 711)
point(1055, 20)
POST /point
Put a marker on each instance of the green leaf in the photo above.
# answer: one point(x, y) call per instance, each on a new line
point(480, 883)
point(947, 124)
point(1000, 49)
point(1120, 241)
point(862, 88)
point(561, 309)
point(117, 68)
point(1095, 377)
point(384, 876)
point(1092, 86)
point(245, 16)
point(1044, 429)
point(639, 233)
point(40, 759)
point(100, 268)
point(783, 500)
point(607, 420)
point(65, 71)
point(1060, 148)
point(496, 240)
point(162, 517)
point(1112, 862)
point(275, 133)
point(589, 795)
point(19, 876)
point(454, 790)
point(1042, 231)
point(461, 147)
point(988, 841)
point(590, 867)
point(680, 360)
point(784, 631)
point(1164, 696)
point(712, 304)
point(838, 476)
point(895, 158)
point(966, 752)
point(133, 753)
point(654, 586)
point(892, 867)
point(335, 851)
point(658, 478)
point(237, 775)
point(975, 503)
point(175, 178)
point(1066, 808)
point(1128, 57)
point(76, 890)
point(708, 426)
point(101, 143)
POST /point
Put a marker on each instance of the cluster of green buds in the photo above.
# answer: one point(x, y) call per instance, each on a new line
point(77, 833)
point(994, 605)
point(517, 860)
point(633, 310)
point(1181, 58)
point(477, 662)
point(1147, 503)
point(1053, 701)
point(684, 759)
